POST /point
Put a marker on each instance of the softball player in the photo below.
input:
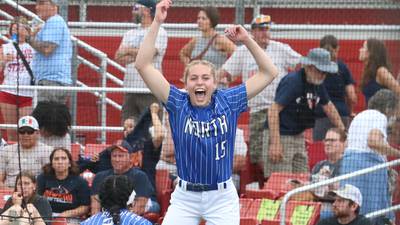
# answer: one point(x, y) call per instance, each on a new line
point(203, 123)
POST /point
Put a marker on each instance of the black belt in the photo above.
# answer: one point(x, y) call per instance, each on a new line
point(201, 187)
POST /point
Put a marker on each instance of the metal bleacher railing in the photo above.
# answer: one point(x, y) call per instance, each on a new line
point(305, 188)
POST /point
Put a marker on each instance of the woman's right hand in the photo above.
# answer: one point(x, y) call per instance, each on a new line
point(161, 10)
point(17, 198)
point(236, 33)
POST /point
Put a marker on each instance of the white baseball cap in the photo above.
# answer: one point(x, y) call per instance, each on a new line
point(28, 121)
point(349, 192)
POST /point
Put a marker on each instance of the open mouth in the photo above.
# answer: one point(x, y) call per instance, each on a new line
point(200, 93)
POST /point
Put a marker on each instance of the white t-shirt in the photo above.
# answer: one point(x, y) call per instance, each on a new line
point(361, 126)
point(14, 69)
point(56, 141)
point(242, 63)
point(240, 144)
point(133, 38)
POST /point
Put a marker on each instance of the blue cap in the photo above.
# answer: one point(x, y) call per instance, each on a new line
point(149, 4)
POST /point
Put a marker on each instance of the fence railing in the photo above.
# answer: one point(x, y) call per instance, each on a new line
point(334, 180)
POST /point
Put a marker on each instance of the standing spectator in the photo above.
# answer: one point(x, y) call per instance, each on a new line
point(241, 63)
point(121, 161)
point(210, 45)
point(340, 88)
point(54, 122)
point(292, 112)
point(114, 193)
point(143, 13)
point(52, 61)
point(67, 192)
point(33, 154)
point(376, 74)
point(347, 205)
point(25, 193)
point(10, 100)
point(368, 147)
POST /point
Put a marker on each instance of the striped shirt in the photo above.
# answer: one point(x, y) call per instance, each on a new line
point(126, 218)
point(204, 137)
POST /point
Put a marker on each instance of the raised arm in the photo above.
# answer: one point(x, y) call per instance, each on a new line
point(153, 78)
point(386, 79)
point(267, 71)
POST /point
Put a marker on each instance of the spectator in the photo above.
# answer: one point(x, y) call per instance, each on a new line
point(114, 193)
point(33, 154)
point(210, 45)
point(54, 122)
point(335, 143)
point(25, 194)
point(340, 88)
point(368, 147)
point(346, 208)
point(241, 63)
point(121, 161)
point(10, 100)
point(129, 124)
point(292, 112)
point(67, 192)
point(149, 133)
point(52, 61)
point(376, 74)
point(143, 13)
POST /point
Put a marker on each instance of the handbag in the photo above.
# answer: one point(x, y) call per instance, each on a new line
point(200, 56)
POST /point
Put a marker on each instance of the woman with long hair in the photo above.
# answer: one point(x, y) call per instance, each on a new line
point(25, 195)
point(15, 73)
point(67, 192)
point(377, 69)
point(114, 194)
point(210, 46)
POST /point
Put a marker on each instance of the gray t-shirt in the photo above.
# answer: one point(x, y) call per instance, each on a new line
point(31, 160)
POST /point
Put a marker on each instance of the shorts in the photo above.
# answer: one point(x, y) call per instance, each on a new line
point(21, 101)
point(59, 96)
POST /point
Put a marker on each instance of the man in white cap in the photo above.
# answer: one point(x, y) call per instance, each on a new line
point(297, 96)
point(241, 63)
point(33, 154)
point(143, 13)
point(52, 43)
point(348, 201)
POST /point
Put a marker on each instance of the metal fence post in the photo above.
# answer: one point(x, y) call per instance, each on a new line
point(74, 76)
point(103, 72)
point(239, 12)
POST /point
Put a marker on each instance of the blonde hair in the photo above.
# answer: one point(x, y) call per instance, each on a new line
point(199, 62)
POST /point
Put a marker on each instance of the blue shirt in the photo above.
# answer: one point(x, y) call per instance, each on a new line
point(335, 85)
point(126, 218)
point(299, 100)
point(204, 136)
point(56, 66)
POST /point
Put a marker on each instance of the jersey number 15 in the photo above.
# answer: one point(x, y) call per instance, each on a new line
point(220, 150)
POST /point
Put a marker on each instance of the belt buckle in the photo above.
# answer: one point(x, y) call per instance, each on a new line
point(199, 187)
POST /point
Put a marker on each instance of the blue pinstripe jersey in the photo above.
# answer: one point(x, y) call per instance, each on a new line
point(204, 136)
point(126, 218)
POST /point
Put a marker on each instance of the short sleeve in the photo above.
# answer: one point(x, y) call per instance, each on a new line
point(291, 56)
point(237, 97)
point(234, 65)
point(97, 182)
point(40, 184)
point(176, 99)
point(3, 159)
point(240, 144)
point(345, 72)
point(53, 31)
point(323, 94)
point(83, 195)
point(287, 90)
point(141, 184)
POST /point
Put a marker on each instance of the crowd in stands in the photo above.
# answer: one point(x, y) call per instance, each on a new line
point(316, 91)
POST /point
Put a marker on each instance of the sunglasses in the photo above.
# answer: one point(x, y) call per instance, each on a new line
point(137, 7)
point(26, 131)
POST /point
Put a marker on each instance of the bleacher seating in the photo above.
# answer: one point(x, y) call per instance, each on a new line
point(315, 152)
point(5, 194)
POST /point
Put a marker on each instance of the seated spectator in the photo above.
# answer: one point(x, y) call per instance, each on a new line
point(60, 183)
point(114, 193)
point(25, 194)
point(121, 161)
point(348, 201)
point(54, 123)
point(149, 133)
point(335, 143)
point(33, 154)
point(16, 214)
